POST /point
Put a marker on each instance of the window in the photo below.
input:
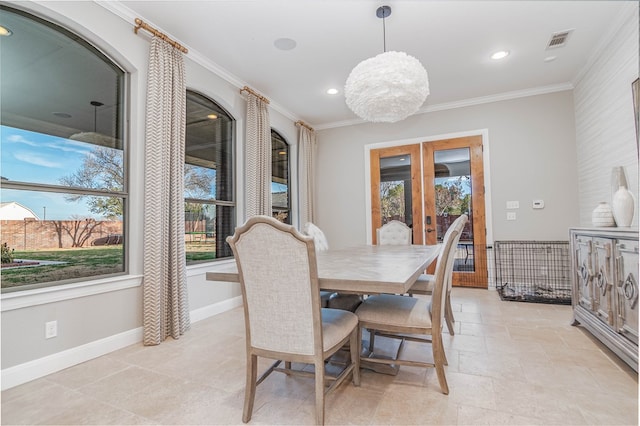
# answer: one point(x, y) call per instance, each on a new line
point(63, 188)
point(280, 194)
point(208, 180)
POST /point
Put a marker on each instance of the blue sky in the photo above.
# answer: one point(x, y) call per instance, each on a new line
point(35, 157)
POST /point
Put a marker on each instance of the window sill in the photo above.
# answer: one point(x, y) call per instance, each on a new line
point(203, 268)
point(41, 296)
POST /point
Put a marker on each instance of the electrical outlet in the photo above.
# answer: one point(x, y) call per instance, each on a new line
point(511, 215)
point(50, 329)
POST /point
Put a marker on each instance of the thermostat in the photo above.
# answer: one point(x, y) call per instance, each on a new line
point(538, 204)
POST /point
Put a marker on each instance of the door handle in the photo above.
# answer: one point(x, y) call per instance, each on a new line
point(430, 229)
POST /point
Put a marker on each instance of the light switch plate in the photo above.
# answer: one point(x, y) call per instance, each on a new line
point(511, 215)
point(513, 204)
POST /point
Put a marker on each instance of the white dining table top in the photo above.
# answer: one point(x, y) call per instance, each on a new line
point(364, 269)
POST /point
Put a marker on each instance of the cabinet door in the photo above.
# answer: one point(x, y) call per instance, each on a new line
point(603, 279)
point(584, 272)
point(626, 257)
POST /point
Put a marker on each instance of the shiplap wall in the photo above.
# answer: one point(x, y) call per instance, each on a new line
point(605, 129)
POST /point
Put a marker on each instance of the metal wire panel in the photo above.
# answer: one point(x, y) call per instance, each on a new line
point(533, 271)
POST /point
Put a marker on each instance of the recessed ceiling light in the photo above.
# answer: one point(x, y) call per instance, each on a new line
point(500, 54)
point(4, 31)
point(332, 91)
point(285, 44)
point(212, 116)
point(550, 58)
point(282, 152)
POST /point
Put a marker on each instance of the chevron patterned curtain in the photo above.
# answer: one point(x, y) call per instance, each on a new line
point(306, 161)
point(165, 302)
point(258, 157)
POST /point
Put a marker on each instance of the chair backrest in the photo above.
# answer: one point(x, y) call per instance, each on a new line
point(318, 236)
point(457, 225)
point(279, 280)
point(444, 271)
point(394, 233)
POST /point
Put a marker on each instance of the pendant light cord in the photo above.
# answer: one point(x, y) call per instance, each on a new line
point(384, 33)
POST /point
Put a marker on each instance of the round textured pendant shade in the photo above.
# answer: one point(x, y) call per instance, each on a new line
point(387, 88)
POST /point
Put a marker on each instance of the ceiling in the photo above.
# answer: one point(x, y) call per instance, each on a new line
point(452, 39)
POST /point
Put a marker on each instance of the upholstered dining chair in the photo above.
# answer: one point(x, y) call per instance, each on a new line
point(425, 282)
point(394, 233)
point(330, 299)
point(413, 318)
point(283, 318)
point(321, 243)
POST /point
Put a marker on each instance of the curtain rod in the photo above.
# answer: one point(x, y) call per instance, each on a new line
point(253, 92)
point(303, 124)
point(141, 24)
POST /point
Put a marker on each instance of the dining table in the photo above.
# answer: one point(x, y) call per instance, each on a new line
point(361, 269)
point(365, 270)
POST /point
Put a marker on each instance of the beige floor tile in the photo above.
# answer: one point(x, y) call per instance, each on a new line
point(510, 363)
point(88, 372)
point(505, 366)
point(475, 416)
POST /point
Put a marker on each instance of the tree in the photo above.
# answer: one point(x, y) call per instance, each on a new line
point(79, 229)
point(101, 169)
point(392, 199)
point(449, 197)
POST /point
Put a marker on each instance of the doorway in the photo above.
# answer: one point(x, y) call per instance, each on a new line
point(428, 185)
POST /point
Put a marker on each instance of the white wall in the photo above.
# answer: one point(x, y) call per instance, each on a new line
point(532, 156)
point(96, 317)
point(605, 130)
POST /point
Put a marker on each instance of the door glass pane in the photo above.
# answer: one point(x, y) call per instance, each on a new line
point(395, 189)
point(453, 198)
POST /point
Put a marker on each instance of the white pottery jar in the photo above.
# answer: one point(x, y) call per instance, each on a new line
point(602, 215)
point(622, 206)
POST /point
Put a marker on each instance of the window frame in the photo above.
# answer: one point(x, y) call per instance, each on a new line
point(122, 123)
point(232, 203)
point(278, 135)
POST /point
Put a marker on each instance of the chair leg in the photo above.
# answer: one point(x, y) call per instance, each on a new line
point(448, 314)
point(372, 336)
point(355, 349)
point(250, 388)
point(319, 373)
point(439, 361)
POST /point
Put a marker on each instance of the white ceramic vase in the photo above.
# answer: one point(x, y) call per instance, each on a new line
point(602, 215)
point(623, 206)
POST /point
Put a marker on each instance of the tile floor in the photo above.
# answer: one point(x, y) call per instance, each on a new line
point(510, 363)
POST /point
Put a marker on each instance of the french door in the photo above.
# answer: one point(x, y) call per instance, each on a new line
point(396, 192)
point(428, 186)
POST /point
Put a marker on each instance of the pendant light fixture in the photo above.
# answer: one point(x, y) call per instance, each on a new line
point(95, 137)
point(388, 87)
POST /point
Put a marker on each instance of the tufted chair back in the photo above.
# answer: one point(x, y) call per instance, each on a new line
point(394, 233)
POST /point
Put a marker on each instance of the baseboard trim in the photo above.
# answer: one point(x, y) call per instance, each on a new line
point(23, 373)
point(41, 367)
point(215, 309)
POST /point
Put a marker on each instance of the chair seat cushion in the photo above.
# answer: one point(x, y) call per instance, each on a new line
point(395, 311)
point(336, 325)
point(424, 284)
point(347, 302)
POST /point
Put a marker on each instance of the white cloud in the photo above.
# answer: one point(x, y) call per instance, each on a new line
point(35, 159)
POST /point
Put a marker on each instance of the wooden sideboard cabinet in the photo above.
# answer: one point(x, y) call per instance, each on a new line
point(604, 286)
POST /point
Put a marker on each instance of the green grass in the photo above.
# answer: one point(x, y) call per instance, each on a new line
point(79, 263)
point(82, 262)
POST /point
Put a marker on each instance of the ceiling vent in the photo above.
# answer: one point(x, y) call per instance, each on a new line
point(559, 39)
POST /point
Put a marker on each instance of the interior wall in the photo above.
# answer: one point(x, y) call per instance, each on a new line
point(605, 128)
point(94, 313)
point(532, 157)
